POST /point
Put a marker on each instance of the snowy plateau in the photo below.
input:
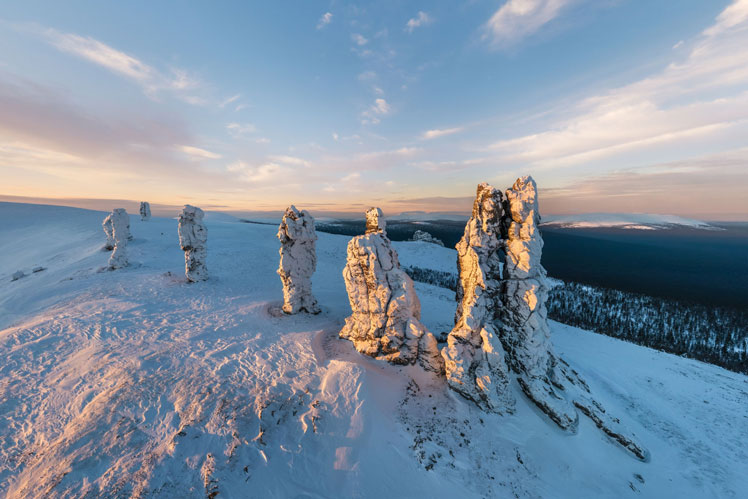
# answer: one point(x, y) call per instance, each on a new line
point(134, 383)
point(640, 221)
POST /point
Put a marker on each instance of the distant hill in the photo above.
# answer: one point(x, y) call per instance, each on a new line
point(641, 221)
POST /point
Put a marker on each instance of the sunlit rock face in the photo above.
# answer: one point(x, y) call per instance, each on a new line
point(385, 322)
point(145, 210)
point(193, 238)
point(422, 235)
point(525, 333)
point(298, 260)
point(474, 357)
point(117, 228)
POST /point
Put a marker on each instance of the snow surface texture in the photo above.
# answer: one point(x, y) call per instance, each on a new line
point(641, 221)
point(133, 383)
point(117, 228)
point(298, 260)
point(193, 239)
point(145, 211)
point(385, 322)
point(422, 235)
point(474, 357)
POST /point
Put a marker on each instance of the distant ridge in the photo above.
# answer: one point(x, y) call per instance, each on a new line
point(640, 221)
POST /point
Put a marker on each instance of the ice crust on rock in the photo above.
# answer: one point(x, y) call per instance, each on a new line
point(117, 228)
point(422, 235)
point(145, 210)
point(193, 238)
point(298, 260)
point(385, 322)
point(474, 356)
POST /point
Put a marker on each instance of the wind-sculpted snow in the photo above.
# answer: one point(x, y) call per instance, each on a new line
point(145, 211)
point(298, 260)
point(193, 239)
point(385, 320)
point(474, 356)
point(117, 228)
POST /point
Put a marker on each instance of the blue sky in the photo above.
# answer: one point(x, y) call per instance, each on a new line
point(613, 105)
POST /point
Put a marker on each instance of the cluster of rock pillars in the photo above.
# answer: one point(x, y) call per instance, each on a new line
point(501, 332)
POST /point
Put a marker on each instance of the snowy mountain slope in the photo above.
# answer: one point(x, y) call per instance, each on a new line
point(134, 383)
point(641, 221)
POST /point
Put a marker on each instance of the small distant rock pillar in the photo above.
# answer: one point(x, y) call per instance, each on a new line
point(298, 261)
point(145, 211)
point(385, 323)
point(107, 226)
point(474, 356)
point(193, 238)
point(117, 227)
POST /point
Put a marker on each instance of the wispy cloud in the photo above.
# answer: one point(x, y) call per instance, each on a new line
point(237, 130)
point(229, 100)
point(372, 115)
point(436, 133)
point(198, 153)
point(517, 19)
point(324, 20)
point(422, 19)
point(359, 39)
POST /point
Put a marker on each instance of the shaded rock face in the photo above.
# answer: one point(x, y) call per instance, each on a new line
point(385, 322)
point(298, 260)
point(145, 210)
point(193, 238)
point(474, 356)
point(117, 228)
point(422, 235)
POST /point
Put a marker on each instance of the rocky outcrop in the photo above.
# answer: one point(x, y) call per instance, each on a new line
point(474, 356)
point(385, 320)
point(145, 210)
point(107, 226)
point(117, 227)
point(298, 260)
point(422, 235)
point(193, 238)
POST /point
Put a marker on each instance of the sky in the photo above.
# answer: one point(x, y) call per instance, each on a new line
point(611, 105)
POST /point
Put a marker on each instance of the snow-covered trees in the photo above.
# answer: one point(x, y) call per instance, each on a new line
point(298, 260)
point(385, 322)
point(145, 210)
point(117, 228)
point(193, 237)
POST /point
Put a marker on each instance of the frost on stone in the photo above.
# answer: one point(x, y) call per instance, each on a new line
point(422, 235)
point(193, 238)
point(145, 210)
point(298, 260)
point(117, 228)
point(19, 274)
point(474, 357)
point(385, 322)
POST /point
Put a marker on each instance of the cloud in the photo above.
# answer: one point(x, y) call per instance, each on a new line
point(230, 100)
point(380, 108)
point(290, 160)
point(367, 75)
point(324, 20)
point(359, 39)
point(198, 153)
point(518, 19)
point(238, 130)
point(436, 133)
point(422, 19)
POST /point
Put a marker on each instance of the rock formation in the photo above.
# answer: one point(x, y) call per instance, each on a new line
point(385, 322)
point(117, 228)
point(422, 235)
point(145, 210)
point(298, 260)
point(474, 356)
point(193, 237)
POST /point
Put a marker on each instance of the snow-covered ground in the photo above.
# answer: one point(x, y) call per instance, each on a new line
point(641, 221)
point(133, 382)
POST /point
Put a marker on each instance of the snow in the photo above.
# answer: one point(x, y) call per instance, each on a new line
point(134, 382)
point(640, 221)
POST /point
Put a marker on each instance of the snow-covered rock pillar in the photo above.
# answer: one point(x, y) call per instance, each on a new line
point(385, 322)
point(193, 237)
point(298, 260)
point(145, 210)
point(107, 226)
point(526, 334)
point(117, 227)
point(474, 357)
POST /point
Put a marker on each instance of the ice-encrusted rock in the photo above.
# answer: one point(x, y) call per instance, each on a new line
point(422, 235)
point(117, 227)
point(385, 322)
point(474, 356)
point(19, 274)
point(193, 238)
point(107, 226)
point(145, 210)
point(298, 260)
